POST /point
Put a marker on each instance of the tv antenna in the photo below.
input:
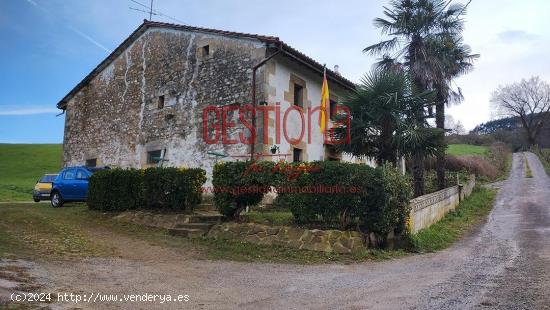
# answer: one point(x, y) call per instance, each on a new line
point(149, 10)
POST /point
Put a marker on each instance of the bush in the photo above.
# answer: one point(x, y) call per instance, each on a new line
point(328, 194)
point(115, 190)
point(387, 206)
point(239, 184)
point(153, 188)
point(323, 194)
point(172, 188)
point(373, 200)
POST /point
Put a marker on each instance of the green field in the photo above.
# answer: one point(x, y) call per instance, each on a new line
point(21, 165)
point(466, 149)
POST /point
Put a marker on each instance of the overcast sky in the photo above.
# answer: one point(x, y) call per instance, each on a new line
point(48, 46)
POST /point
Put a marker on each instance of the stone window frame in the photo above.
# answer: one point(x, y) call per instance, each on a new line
point(200, 49)
point(289, 95)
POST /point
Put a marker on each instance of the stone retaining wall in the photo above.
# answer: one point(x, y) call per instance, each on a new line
point(428, 209)
point(292, 237)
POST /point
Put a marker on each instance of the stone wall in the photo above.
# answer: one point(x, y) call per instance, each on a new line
point(116, 117)
point(428, 209)
point(292, 237)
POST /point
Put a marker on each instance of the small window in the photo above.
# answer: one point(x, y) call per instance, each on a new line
point(333, 110)
point(161, 102)
point(298, 95)
point(69, 174)
point(154, 157)
point(296, 155)
point(205, 50)
point(91, 162)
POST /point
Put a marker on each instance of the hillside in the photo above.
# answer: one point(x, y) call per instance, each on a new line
point(21, 165)
point(466, 149)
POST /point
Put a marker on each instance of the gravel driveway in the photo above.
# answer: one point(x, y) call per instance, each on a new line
point(505, 264)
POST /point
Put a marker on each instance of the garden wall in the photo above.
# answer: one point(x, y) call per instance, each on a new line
point(292, 237)
point(428, 209)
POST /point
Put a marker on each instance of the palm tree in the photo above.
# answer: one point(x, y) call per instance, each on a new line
point(383, 122)
point(456, 59)
point(412, 25)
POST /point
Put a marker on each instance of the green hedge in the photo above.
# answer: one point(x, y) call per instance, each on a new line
point(324, 193)
point(152, 188)
point(172, 188)
point(115, 190)
point(239, 184)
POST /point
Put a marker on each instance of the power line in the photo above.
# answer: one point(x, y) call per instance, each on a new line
point(152, 12)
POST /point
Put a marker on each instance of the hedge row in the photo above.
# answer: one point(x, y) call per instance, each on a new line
point(324, 193)
point(152, 188)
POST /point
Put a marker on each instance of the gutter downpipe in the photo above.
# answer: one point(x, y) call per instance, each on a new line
point(254, 69)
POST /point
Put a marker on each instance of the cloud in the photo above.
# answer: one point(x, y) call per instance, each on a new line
point(516, 36)
point(72, 28)
point(27, 111)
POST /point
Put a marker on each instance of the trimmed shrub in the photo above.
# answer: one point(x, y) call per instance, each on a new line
point(172, 188)
point(349, 196)
point(323, 194)
point(115, 190)
point(153, 188)
point(239, 184)
point(326, 193)
point(387, 206)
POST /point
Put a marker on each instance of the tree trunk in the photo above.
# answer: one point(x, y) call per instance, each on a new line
point(418, 156)
point(440, 123)
point(418, 175)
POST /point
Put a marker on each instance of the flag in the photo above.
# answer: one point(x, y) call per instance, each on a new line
point(325, 102)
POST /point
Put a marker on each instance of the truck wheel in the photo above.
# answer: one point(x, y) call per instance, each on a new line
point(57, 200)
point(36, 200)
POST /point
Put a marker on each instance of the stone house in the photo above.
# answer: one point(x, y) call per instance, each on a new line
point(146, 101)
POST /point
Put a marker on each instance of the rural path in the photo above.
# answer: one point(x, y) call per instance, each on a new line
point(505, 264)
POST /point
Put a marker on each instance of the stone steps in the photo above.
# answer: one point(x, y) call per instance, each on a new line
point(206, 207)
point(186, 232)
point(205, 218)
point(195, 225)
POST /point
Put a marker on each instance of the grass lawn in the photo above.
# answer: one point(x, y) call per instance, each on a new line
point(466, 149)
point(470, 213)
point(276, 218)
point(38, 231)
point(21, 165)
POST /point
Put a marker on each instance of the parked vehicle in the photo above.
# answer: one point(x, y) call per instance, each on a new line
point(71, 185)
point(43, 187)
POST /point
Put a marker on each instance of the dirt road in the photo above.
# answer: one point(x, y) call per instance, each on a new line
point(505, 264)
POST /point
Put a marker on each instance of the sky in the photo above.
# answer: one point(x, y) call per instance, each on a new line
point(48, 46)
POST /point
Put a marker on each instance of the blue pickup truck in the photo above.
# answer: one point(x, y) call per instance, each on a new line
point(71, 185)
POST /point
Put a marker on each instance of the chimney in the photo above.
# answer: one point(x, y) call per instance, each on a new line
point(337, 69)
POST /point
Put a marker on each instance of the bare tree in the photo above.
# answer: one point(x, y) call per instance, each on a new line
point(529, 100)
point(452, 127)
point(459, 128)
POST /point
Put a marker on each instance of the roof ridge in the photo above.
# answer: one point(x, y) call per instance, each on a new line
point(206, 29)
point(289, 50)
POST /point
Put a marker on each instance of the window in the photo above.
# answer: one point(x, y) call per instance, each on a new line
point(91, 162)
point(49, 178)
point(296, 155)
point(332, 107)
point(298, 95)
point(81, 175)
point(69, 174)
point(205, 50)
point(153, 157)
point(161, 102)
